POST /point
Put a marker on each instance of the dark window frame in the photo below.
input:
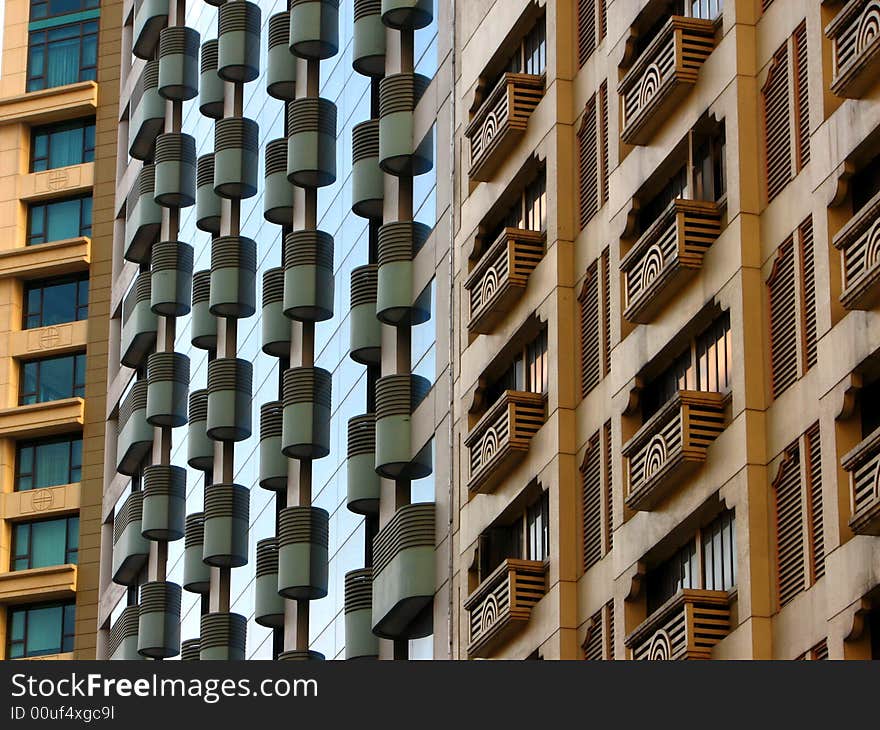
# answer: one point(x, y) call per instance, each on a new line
point(71, 552)
point(80, 306)
point(528, 370)
point(85, 227)
point(42, 9)
point(74, 460)
point(87, 154)
point(66, 637)
point(41, 39)
point(77, 386)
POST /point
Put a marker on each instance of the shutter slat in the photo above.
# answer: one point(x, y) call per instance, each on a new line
point(606, 313)
point(777, 127)
point(586, 30)
point(814, 494)
point(609, 488)
point(789, 527)
point(591, 476)
point(808, 279)
point(802, 96)
point(591, 346)
point(588, 173)
point(603, 103)
point(783, 320)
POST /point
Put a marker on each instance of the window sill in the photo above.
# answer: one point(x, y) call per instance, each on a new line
point(42, 419)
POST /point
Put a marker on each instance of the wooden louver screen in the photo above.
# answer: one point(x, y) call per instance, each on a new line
point(802, 96)
point(783, 320)
point(603, 134)
point(808, 292)
point(591, 343)
point(588, 169)
point(766, 4)
point(606, 313)
point(586, 30)
point(814, 495)
point(777, 127)
point(600, 634)
point(591, 476)
point(789, 527)
point(608, 488)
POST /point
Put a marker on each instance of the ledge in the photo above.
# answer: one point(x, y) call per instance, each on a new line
point(41, 419)
point(39, 503)
point(71, 179)
point(40, 584)
point(56, 339)
point(46, 259)
point(50, 105)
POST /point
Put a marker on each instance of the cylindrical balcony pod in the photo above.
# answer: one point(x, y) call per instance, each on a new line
point(278, 190)
point(159, 620)
point(130, 549)
point(144, 217)
point(207, 201)
point(167, 388)
point(171, 278)
point(398, 243)
point(164, 512)
point(364, 484)
point(311, 142)
point(276, 327)
point(233, 276)
point(295, 655)
point(314, 28)
point(123, 643)
point(308, 276)
point(139, 323)
point(223, 635)
point(147, 113)
point(306, 425)
point(211, 87)
point(175, 170)
point(199, 448)
point(368, 57)
point(203, 324)
point(150, 16)
point(236, 157)
point(367, 179)
point(360, 642)
point(179, 63)
point(134, 435)
point(227, 509)
point(239, 30)
point(230, 389)
point(366, 329)
point(396, 398)
point(273, 462)
point(303, 535)
point(269, 604)
point(407, 14)
point(281, 71)
point(190, 650)
point(398, 153)
point(196, 575)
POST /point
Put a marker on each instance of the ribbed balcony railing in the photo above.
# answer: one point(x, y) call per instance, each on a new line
point(501, 121)
point(855, 37)
point(500, 439)
point(687, 626)
point(863, 465)
point(666, 256)
point(503, 603)
point(662, 74)
point(501, 276)
point(859, 243)
point(672, 443)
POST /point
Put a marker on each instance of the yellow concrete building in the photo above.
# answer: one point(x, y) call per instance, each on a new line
point(54, 296)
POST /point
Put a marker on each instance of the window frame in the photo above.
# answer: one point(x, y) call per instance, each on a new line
point(71, 553)
point(81, 308)
point(39, 38)
point(77, 389)
point(73, 466)
point(66, 638)
point(85, 227)
point(87, 153)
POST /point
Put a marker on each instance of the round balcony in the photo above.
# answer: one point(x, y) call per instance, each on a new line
point(306, 421)
point(179, 63)
point(308, 276)
point(275, 326)
point(303, 535)
point(233, 276)
point(159, 620)
point(311, 142)
point(230, 389)
point(203, 324)
point(167, 388)
point(199, 448)
point(227, 510)
point(239, 36)
point(171, 278)
point(314, 28)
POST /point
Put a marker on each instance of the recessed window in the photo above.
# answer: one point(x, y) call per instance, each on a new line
point(40, 630)
point(44, 543)
point(56, 301)
point(527, 372)
point(52, 378)
point(60, 220)
point(62, 55)
point(59, 145)
point(48, 463)
point(525, 535)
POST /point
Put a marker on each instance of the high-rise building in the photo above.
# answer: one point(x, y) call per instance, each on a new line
point(493, 329)
point(57, 96)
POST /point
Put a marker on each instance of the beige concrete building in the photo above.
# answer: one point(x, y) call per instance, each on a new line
point(54, 292)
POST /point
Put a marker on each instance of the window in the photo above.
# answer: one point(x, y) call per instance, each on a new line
point(48, 463)
point(597, 491)
point(786, 134)
point(592, 27)
point(865, 184)
point(800, 536)
point(538, 529)
point(62, 54)
point(527, 372)
point(705, 365)
point(869, 412)
point(531, 56)
point(60, 220)
point(599, 644)
point(55, 301)
point(52, 8)
point(791, 289)
point(528, 212)
point(44, 543)
point(651, 25)
point(59, 145)
point(52, 378)
point(423, 334)
point(592, 140)
point(524, 536)
point(40, 630)
point(595, 316)
point(706, 561)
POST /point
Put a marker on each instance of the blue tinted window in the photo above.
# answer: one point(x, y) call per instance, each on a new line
point(55, 301)
point(59, 145)
point(48, 463)
point(40, 630)
point(44, 543)
point(60, 220)
point(52, 378)
point(62, 55)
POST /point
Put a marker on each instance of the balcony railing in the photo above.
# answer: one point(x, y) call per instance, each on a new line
point(500, 440)
point(687, 626)
point(662, 75)
point(503, 604)
point(501, 121)
point(667, 255)
point(855, 34)
point(501, 276)
point(859, 241)
point(672, 443)
point(863, 465)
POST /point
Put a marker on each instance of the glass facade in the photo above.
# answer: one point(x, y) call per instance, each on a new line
point(44, 543)
point(56, 301)
point(48, 463)
point(52, 378)
point(59, 145)
point(59, 220)
point(40, 630)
